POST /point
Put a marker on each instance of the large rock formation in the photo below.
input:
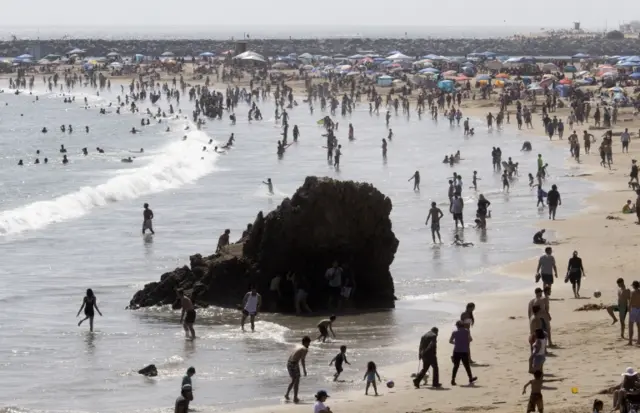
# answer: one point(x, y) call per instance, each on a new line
point(325, 220)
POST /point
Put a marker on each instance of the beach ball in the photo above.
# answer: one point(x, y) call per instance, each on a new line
point(574, 390)
point(390, 384)
point(597, 294)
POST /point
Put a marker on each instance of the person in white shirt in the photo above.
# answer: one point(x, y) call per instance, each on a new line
point(319, 406)
point(624, 139)
point(250, 306)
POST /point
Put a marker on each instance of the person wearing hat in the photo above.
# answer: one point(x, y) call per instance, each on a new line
point(575, 272)
point(182, 402)
point(629, 385)
point(427, 352)
point(319, 406)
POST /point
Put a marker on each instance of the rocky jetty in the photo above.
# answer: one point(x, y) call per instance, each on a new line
point(551, 45)
point(325, 221)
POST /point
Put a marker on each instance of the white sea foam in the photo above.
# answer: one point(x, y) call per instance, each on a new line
point(179, 163)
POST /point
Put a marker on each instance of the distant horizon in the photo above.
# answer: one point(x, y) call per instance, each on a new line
point(269, 32)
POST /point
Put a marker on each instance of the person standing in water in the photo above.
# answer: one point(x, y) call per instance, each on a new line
point(435, 214)
point(269, 185)
point(147, 223)
point(88, 304)
point(416, 181)
point(250, 306)
point(188, 315)
point(294, 361)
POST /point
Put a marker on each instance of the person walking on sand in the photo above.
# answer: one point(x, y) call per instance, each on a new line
point(147, 223)
point(435, 214)
point(427, 352)
point(461, 340)
point(294, 361)
point(624, 294)
point(634, 311)
point(535, 399)
point(188, 315)
point(575, 272)
point(88, 304)
point(370, 376)
point(250, 307)
point(546, 268)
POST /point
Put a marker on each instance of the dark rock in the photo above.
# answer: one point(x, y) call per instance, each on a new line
point(325, 220)
point(149, 371)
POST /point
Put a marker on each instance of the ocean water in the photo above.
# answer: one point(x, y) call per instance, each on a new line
point(65, 228)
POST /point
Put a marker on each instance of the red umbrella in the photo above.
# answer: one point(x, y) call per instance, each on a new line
point(565, 81)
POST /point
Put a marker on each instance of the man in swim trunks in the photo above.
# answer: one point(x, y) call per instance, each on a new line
point(622, 307)
point(325, 326)
point(634, 311)
point(547, 268)
point(435, 214)
point(147, 223)
point(188, 316)
point(293, 367)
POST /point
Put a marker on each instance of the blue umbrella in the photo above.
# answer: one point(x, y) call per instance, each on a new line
point(570, 69)
point(635, 75)
point(483, 77)
point(429, 70)
point(25, 56)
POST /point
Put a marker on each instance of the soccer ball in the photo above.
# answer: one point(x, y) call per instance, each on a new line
point(597, 294)
point(390, 384)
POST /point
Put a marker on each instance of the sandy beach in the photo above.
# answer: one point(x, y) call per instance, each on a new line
point(589, 356)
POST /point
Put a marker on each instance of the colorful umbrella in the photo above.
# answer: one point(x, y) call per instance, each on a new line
point(502, 76)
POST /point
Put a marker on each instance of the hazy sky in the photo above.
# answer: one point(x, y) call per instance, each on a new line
point(237, 16)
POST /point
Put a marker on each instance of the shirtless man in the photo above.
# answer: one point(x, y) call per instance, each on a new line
point(250, 306)
point(293, 367)
point(223, 241)
point(634, 311)
point(325, 326)
point(188, 316)
point(435, 214)
point(622, 307)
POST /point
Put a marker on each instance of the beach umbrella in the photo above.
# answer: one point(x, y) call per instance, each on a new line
point(116, 65)
point(635, 75)
point(24, 56)
point(502, 76)
point(353, 74)
point(483, 77)
point(308, 67)
point(167, 54)
point(549, 77)
point(550, 67)
point(570, 69)
point(344, 68)
point(450, 73)
point(461, 78)
point(581, 56)
point(565, 81)
point(113, 54)
point(207, 54)
point(429, 70)
point(398, 56)
point(616, 90)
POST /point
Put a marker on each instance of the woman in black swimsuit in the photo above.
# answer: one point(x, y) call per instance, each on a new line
point(89, 303)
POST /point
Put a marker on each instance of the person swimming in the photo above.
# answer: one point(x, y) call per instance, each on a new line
point(65, 160)
point(44, 130)
point(126, 160)
point(62, 149)
point(20, 163)
point(85, 152)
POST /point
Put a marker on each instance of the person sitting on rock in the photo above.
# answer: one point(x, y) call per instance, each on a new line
point(223, 241)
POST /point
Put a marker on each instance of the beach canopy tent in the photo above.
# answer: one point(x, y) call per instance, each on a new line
point(635, 59)
point(398, 56)
point(207, 54)
point(384, 80)
point(251, 57)
point(446, 86)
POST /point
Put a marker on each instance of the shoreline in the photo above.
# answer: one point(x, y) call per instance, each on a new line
point(503, 352)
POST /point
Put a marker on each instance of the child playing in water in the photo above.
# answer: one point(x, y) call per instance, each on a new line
point(338, 360)
point(370, 376)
